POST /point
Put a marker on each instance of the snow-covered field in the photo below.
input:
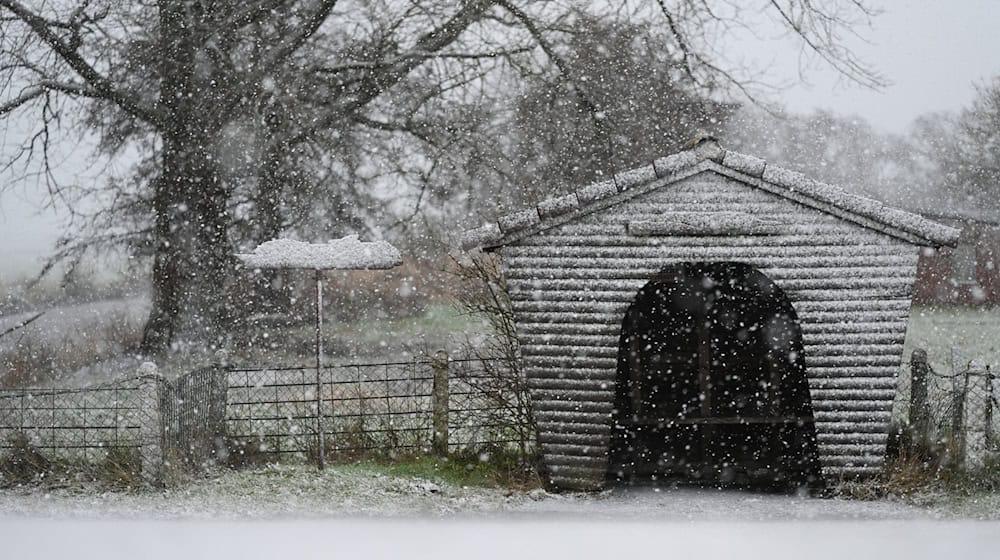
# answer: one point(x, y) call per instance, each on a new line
point(975, 332)
point(75, 345)
point(62, 322)
point(80, 337)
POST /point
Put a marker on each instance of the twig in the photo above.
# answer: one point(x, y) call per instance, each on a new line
point(22, 324)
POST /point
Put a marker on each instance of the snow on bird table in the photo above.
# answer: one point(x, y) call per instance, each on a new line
point(347, 253)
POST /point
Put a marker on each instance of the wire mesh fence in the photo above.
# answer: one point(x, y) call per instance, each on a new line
point(360, 409)
point(194, 412)
point(85, 426)
point(955, 412)
point(232, 415)
point(221, 414)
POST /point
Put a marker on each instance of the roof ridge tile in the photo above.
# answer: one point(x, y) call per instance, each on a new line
point(670, 164)
point(796, 184)
point(596, 191)
point(551, 207)
point(628, 179)
point(519, 220)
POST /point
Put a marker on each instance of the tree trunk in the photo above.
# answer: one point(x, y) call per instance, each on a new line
point(269, 293)
point(192, 257)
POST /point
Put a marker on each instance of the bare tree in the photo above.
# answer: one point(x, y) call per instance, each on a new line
point(620, 100)
point(963, 151)
point(841, 150)
point(501, 381)
point(237, 121)
point(173, 75)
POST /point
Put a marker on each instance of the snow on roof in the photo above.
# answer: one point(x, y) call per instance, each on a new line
point(709, 156)
point(344, 253)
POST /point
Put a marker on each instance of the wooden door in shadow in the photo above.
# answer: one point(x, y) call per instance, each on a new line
point(711, 385)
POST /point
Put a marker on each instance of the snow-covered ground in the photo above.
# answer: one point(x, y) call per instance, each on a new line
point(302, 492)
point(297, 513)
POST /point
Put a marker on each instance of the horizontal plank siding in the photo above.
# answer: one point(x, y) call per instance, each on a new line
point(850, 438)
point(572, 284)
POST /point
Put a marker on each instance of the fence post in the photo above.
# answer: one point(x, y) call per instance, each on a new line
point(994, 408)
point(151, 428)
point(919, 417)
point(439, 364)
point(218, 397)
point(974, 418)
point(959, 381)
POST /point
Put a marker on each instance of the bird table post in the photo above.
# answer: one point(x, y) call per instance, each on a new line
point(320, 444)
point(347, 253)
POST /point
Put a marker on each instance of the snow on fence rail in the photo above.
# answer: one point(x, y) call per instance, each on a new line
point(219, 415)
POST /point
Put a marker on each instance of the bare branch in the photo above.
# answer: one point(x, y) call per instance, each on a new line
point(69, 54)
point(381, 80)
point(826, 45)
point(22, 324)
point(29, 95)
point(293, 43)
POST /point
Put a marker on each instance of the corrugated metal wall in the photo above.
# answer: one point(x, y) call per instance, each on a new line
point(572, 284)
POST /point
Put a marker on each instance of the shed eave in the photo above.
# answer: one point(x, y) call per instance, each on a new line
point(619, 197)
point(868, 213)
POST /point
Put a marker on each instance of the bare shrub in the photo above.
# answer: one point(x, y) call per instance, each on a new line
point(22, 464)
point(28, 363)
point(909, 473)
point(404, 291)
point(244, 453)
point(924, 473)
point(501, 381)
point(121, 468)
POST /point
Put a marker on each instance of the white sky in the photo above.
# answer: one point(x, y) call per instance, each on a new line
point(933, 52)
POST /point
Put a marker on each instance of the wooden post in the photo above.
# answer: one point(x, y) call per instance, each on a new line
point(959, 382)
point(439, 364)
point(919, 416)
point(975, 417)
point(991, 404)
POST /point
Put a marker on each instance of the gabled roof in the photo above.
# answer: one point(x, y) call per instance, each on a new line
point(709, 156)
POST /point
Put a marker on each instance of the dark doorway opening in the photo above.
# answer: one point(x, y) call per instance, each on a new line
point(711, 384)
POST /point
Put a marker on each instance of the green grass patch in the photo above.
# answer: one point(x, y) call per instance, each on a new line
point(484, 470)
point(451, 471)
point(437, 319)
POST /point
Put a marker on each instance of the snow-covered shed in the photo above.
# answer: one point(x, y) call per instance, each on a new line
point(710, 316)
